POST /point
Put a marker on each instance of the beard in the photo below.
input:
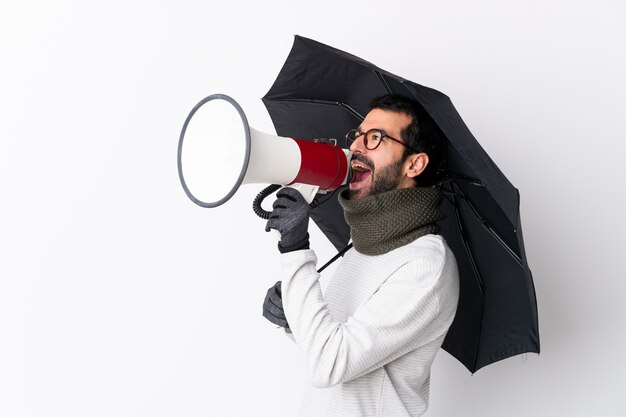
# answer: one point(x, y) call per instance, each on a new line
point(387, 179)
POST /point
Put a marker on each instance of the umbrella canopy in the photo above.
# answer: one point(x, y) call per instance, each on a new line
point(322, 92)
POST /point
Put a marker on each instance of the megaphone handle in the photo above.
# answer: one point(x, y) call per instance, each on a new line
point(308, 193)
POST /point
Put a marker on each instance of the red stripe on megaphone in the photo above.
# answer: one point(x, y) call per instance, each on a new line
point(322, 164)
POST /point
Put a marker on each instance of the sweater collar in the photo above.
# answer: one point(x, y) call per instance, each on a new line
point(386, 221)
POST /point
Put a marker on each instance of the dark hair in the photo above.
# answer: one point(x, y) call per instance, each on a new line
point(422, 134)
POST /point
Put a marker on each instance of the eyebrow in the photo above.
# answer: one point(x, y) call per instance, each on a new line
point(383, 131)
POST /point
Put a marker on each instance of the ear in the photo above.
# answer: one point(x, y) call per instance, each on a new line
point(415, 164)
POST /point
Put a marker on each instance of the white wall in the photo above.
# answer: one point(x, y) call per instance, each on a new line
point(118, 296)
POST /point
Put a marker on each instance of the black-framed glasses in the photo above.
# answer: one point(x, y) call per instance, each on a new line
point(372, 139)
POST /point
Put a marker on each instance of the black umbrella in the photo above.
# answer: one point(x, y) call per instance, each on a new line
point(322, 92)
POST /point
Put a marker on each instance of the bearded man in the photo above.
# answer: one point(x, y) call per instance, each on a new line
point(369, 341)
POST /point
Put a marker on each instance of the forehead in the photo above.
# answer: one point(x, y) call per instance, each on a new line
point(390, 121)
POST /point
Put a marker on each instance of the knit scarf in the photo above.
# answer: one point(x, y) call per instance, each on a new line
point(386, 221)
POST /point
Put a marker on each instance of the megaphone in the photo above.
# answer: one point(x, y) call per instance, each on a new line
point(218, 152)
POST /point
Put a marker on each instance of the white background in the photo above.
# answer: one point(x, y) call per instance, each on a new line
point(119, 297)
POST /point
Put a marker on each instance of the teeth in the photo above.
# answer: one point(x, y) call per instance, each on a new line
point(359, 167)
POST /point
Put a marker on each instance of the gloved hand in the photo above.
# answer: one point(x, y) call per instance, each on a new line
point(291, 218)
point(273, 306)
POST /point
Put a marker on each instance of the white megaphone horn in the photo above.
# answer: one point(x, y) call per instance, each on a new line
point(218, 151)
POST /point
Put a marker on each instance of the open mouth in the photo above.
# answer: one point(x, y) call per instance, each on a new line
point(360, 174)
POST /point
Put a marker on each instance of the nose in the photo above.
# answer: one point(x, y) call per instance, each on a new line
point(358, 146)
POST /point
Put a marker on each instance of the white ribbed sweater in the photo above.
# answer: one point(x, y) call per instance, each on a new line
point(370, 340)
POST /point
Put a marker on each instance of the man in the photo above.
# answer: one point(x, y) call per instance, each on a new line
point(370, 339)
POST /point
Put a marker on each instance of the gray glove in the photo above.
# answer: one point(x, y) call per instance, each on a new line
point(273, 306)
point(291, 218)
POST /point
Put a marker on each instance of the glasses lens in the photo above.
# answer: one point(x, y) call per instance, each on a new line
point(373, 139)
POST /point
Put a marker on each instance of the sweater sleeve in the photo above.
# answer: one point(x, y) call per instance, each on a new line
point(393, 321)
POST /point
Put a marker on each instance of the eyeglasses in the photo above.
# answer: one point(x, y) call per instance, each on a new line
point(372, 138)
